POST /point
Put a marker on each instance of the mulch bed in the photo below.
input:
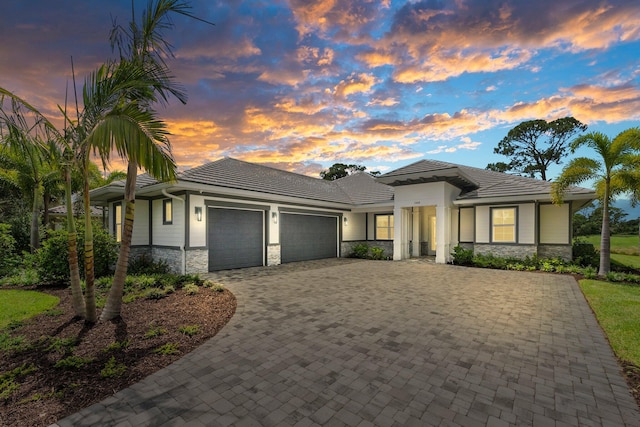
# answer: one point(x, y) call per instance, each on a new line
point(49, 393)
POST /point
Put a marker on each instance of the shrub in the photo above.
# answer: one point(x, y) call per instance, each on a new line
point(144, 264)
point(8, 256)
point(361, 250)
point(22, 277)
point(462, 256)
point(155, 293)
point(113, 369)
point(585, 254)
point(11, 344)
point(7, 379)
point(52, 259)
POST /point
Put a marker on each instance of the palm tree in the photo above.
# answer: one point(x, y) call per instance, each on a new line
point(143, 47)
point(18, 128)
point(617, 171)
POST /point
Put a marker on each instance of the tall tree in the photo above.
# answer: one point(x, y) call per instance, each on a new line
point(55, 140)
point(616, 171)
point(534, 145)
point(340, 170)
point(142, 47)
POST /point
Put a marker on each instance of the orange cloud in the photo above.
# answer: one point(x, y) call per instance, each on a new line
point(356, 83)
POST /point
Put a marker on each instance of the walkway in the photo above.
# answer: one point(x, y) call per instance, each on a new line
point(374, 343)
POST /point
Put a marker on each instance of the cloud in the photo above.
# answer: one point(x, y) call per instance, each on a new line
point(355, 83)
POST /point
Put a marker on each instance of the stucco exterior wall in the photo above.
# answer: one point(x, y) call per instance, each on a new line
point(355, 227)
point(554, 224)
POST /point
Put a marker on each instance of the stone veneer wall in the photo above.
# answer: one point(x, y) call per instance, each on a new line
point(139, 251)
point(273, 254)
point(515, 251)
point(172, 256)
point(197, 261)
point(564, 252)
point(346, 248)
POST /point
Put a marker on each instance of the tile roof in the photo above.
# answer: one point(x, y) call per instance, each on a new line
point(363, 189)
point(360, 188)
point(242, 175)
point(485, 183)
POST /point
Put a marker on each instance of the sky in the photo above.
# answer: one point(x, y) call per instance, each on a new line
point(303, 84)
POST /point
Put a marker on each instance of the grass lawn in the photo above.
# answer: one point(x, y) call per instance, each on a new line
point(17, 305)
point(632, 261)
point(617, 307)
point(622, 244)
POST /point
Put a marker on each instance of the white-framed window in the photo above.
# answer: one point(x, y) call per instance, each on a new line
point(117, 221)
point(167, 211)
point(503, 225)
point(384, 227)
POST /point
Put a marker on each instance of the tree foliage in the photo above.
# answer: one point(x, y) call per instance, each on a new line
point(340, 170)
point(533, 146)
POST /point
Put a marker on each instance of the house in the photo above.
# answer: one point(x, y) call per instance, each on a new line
point(232, 214)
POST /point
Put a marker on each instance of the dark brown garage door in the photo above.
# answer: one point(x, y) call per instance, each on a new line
point(236, 238)
point(305, 237)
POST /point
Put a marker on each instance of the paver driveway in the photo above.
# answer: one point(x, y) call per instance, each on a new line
point(364, 343)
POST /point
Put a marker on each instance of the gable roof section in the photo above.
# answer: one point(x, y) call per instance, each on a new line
point(242, 175)
point(474, 182)
point(363, 189)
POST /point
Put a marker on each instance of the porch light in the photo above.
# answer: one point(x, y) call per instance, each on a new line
point(345, 221)
point(198, 213)
point(274, 217)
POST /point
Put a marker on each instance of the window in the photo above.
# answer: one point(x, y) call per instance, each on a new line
point(503, 225)
point(384, 227)
point(117, 221)
point(167, 212)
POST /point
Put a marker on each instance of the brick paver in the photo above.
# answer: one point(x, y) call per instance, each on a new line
point(345, 342)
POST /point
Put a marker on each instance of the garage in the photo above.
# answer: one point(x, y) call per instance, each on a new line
point(236, 238)
point(305, 237)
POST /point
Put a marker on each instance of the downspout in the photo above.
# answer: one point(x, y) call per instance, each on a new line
point(184, 232)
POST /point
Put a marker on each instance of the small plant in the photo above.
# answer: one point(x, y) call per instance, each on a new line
point(167, 349)
point(214, 286)
point(191, 289)
point(72, 362)
point(11, 344)
point(15, 324)
point(116, 346)
point(155, 332)
point(376, 253)
point(590, 273)
point(104, 283)
point(113, 369)
point(155, 293)
point(62, 345)
point(189, 330)
point(54, 312)
point(548, 267)
point(8, 379)
point(462, 256)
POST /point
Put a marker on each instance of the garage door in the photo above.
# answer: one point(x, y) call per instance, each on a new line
point(305, 237)
point(236, 238)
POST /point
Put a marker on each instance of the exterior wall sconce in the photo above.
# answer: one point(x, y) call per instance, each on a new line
point(198, 213)
point(345, 221)
point(274, 217)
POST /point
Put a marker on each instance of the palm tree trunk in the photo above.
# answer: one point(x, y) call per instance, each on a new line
point(113, 307)
point(35, 224)
point(74, 268)
point(90, 297)
point(605, 237)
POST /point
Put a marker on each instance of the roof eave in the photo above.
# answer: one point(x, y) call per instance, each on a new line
point(536, 197)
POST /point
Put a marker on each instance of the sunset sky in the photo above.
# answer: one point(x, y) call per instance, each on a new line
point(303, 84)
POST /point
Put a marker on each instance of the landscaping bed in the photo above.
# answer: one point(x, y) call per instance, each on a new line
point(53, 365)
